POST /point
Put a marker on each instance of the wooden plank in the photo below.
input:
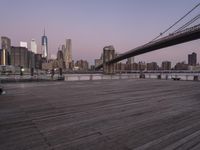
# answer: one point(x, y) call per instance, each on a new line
point(110, 114)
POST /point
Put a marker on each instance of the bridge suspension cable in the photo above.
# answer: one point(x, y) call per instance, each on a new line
point(177, 22)
point(188, 23)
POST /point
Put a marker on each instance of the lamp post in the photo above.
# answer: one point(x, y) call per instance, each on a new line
point(21, 71)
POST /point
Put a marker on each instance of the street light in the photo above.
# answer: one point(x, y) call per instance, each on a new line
point(21, 71)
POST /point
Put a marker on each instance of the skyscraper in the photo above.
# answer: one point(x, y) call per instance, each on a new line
point(33, 46)
point(6, 43)
point(67, 52)
point(6, 50)
point(192, 59)
point(23, 44)
point(44, 46)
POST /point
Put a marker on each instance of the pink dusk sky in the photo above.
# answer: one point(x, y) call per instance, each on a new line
point(93, 24)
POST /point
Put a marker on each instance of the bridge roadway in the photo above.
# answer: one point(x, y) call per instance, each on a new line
point(101, 115)
point(189, 34)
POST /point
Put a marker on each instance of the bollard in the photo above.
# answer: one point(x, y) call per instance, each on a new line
point(1, 90)
point(32, 72)
point(159, 76)
point(60, 72)
point(21, 71)
point(166, 77)
point(142, 76)
point(52, 73)
point(196, 78)
point(91, 77)
point(186, 77)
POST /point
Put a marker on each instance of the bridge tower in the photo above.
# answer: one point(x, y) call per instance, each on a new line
point(108, 54)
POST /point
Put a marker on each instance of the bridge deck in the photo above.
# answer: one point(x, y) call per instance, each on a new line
point(101, 115)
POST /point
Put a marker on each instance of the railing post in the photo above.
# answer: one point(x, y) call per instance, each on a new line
point(196, 78)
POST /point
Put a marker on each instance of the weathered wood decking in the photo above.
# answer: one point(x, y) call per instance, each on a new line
point(101, 115)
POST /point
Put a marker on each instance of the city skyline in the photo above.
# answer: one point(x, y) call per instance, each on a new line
point(94, 24)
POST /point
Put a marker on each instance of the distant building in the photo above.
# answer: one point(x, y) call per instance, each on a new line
point(120, 66)
point(6, 43)
point(60, 60)
point(60, 55)
point(181, 66)
point(129, 63)
point(192, 59)
point(31, 59)
point(19, 57)
point(134, 66)
point(4, 57)
point(44, 46)
point(98, 62)
point(24, 44)
point(166, 65)
point(34, 46)
point(130, 60)
point(67, 53)
point(194, 68)
point(5, 52)
point(152, 66)
point(142, 66)
point(82, 65)
point(1, 53)
point(53, 64)
point(38, 61)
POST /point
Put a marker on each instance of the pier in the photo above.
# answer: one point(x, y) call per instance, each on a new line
point(100, 115)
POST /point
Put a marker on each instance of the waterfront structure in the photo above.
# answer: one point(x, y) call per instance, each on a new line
point(23, 44)
point(34, 46)
point(5, 52)
point(192, 59)
point(166, 65)
point(45, 46)
point(67, 53)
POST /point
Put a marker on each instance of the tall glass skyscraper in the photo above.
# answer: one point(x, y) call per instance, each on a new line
point(67, 52)
point(44, 46)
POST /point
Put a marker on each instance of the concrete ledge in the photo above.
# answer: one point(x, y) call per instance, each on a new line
point(176, 78)
point(29, 80)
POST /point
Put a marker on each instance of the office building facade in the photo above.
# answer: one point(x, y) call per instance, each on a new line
point(19, 57)
point(192, 59)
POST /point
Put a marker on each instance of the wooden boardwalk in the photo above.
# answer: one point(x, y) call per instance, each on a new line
point(101, 115)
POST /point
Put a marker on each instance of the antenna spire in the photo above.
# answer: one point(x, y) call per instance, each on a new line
point(44, 31)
